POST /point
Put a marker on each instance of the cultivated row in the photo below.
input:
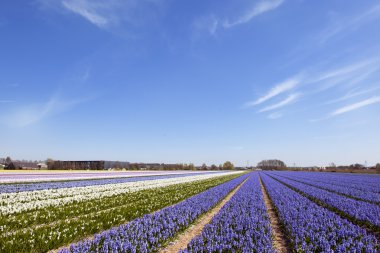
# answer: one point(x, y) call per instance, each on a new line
point(242, 225)
point(312, 228)
point(359, 210)
point(49, 228)
point(151, 232)
point(17, 202)
point(313, 179)
point(367, 183)
point(20, 187)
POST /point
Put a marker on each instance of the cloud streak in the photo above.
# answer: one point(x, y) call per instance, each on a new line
point(33, 113)
point(275, 115)
point(352, 94)
point(343, 71)
point(355, 106)
point(350, 23)
point(87, 11)
point(205, 25)
point(256, 10)
point(290, 99)
point(276, 90)
point(117, 16)
point(211, 23)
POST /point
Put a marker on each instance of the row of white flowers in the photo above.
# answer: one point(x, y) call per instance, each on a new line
point(11, 203)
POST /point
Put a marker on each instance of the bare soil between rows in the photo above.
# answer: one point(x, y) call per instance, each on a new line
point(196, 229)
point(278, 238)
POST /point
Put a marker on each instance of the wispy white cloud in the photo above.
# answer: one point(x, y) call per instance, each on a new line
point(355, 106)
point(321, 79)
point(276, 90)
point(349, 23)
point(275, 115)
point(351, 94)
point(344, 71)
point(111, 15)
point(290, 99)
point(210, 24)
point(345, 77)
point(205, 24)
point(27, 115)
point(314, 81)
point(87, 11)
point(257, 9)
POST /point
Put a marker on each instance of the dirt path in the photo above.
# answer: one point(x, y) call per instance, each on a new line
point(196, 229)
point(278, 238)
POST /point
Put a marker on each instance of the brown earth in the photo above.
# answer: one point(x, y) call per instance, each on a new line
point(196, 229)
point(278, 238)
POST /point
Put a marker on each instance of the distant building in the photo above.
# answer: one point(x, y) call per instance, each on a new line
point(42, 165)
point(76, 165)
point(21, 166)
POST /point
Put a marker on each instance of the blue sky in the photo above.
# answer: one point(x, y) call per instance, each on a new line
point(191, 81)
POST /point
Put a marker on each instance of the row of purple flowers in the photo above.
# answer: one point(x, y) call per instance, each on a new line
point(20, 187)
point(312, 228)
point(313, 179)
point(152, 231)
point(361, 211)
point(242, 225)
point(360, 182)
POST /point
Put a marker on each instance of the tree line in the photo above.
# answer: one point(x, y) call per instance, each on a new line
point(113, 165)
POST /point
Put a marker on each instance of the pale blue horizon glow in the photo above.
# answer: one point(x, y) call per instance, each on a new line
point(198, 81)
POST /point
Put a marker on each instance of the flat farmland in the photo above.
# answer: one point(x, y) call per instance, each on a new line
point(33, 175)
point(230, 211)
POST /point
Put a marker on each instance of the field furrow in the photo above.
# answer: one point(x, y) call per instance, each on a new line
point(312, 228)
point(347, 190)
point(151, 232)
point(61, 227)
point(267, 211)
point(357, 211)
point(242, 225)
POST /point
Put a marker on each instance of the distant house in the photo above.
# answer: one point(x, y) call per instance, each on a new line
point(42, 165)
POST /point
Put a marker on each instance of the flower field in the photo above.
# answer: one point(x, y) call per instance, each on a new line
point(242, 225)
point(42, 220)
point(317, 212)
point(41, 176)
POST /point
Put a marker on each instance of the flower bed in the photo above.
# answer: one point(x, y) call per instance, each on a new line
point(312, 228)
point(242, 225)
point(149, 233)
